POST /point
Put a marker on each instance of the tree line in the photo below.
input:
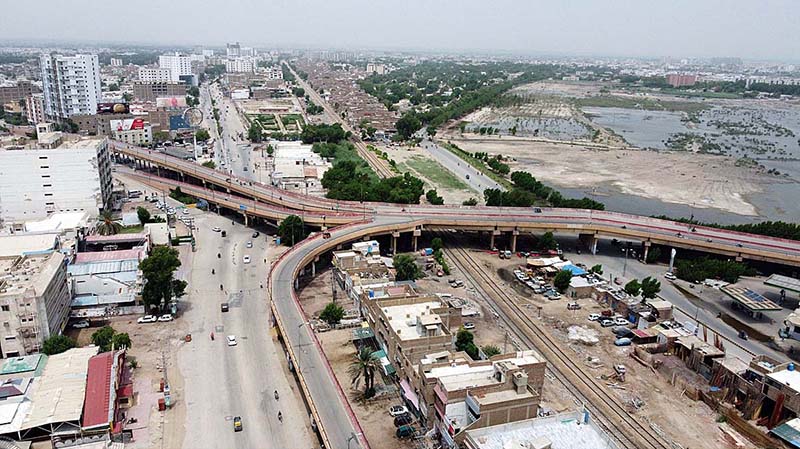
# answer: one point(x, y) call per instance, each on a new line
point(527, 191)
point(777, 229)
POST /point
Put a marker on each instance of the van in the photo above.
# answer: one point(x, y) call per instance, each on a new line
point(404, 431)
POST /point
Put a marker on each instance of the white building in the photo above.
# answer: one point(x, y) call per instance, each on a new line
point(240, 65)
point(116, 62)
point(273, 73)
point(35, 183)
point(233, 50)
point(34, 108)
point(71, 85)
point(297, 167)
point(178, 65)
point(34, 301)
point(377, 69)
point(134, 131)
point(155, 75)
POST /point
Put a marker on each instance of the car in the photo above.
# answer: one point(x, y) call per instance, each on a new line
point(537, 210)
point(231, 340)
point(620, 369)
point(165, 318)
point(624, 341)
point(82, 324)
point(469, 325)
point(405, 431)
point(622, 331)
point(605, 322)
point(256, 234)
point(223, 307)
point(185, 212)
point(216, 229)
point(147, 319)
point(237, 424)
point(573, 306)
point(403, 420)
point(246, 259)
point(594, 317)
point(249, 244)
point(621, 322)
point(670, 276)
point(397, 410)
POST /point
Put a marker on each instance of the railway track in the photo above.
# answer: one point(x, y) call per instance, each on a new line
point(629, 431)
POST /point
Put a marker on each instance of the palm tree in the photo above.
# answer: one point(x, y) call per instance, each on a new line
point(364, 366)
point(106, 224)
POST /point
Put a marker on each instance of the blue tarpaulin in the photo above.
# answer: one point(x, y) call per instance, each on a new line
point(576, 271)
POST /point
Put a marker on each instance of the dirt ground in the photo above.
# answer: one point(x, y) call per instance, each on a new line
point(674, 177)
point(645, 394)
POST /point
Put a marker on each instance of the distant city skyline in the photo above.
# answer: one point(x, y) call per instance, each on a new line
point(628, 28)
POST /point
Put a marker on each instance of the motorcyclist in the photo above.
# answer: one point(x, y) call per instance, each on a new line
point(276, 395)
point(280, 417)
point(213, 272)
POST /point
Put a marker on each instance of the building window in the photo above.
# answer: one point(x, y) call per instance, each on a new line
point(10, 337)
point(4, 308)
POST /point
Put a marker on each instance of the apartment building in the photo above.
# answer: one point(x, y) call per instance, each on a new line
point(74, 177)
point(240, 65)
point(14, 92)
point(178, 65)
point(134, 131)
point(34, 108)
point(71, 85)
point(149, 91)
point(155, 74)
point(34, 301)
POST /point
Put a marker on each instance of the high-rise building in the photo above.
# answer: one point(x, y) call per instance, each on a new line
point(34, 301)
point(74, 177)
point(178, 65)
point(239, 65)
point(34, 108)
point(678, 80)
point(155, 74)
point(233, 50)
point(71, 85)
point(116, 62)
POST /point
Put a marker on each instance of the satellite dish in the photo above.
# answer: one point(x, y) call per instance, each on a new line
point(193, 116)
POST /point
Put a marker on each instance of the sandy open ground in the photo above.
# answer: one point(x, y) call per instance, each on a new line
point(702, 180)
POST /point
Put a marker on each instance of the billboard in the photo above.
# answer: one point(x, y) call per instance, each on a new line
point(127, 124)
point(171, 102)
point(112, 108)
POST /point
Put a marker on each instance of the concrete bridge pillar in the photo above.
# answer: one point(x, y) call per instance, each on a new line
point(245, 218)
point(395, 236)
point(491, 240)
point(313, 269)
point(514, 235)
point(417, 233)
point(296, 283)
point(594, 244)
point(645, 250)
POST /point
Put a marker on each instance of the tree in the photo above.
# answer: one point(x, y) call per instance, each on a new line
point(158, 273)
point(470, 202)
point(332, 313)
point(633, 288)
point(562, 280)
point(102, 337)
point(202, 135)
point(597, 269)
point(406, 267)
point(270, 150)
point(490, 350)
point(653, 255)
point(107, 225)
point(122, 340)
point(143, 214)
point(254, 133)
point(547, 242)
point(363, 367)
point(292, 230)
point(650, 287)
point(433, 197)
point(408, 125)
point(160, 136)
point(209, 164)
point(436, 244)
point(56, 344)
point(465, 341)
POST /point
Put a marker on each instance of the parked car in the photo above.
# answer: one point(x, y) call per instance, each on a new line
point(594, 317)
point(624, 341)
point(231, 340)
point(165, 318)
point(223, 307)
point(573, 306)
point(670, 276)
point(82, 324)
point(403, 420)
point(469, 325)
point(537, 210)
point(237, 424)
point(185, 212)
point(246, 259)
point(621, 321)
point(147, 319)
point(216, 229)
point(622, 331)
point(397, 410)
point(405, 431)
point(605, 322)
point(256, 234)
point(249, 244)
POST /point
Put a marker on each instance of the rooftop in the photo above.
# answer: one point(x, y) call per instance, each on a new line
point(21, 244)
point(564, 431)
point(58, 222)
point(469, 375)
point(103, 267)
point(61, 388)
point(403, 318)
point(784, 282)
point(24, 364)
point(97, 238)
point(789, 378)
point(29, 272)
point(750, 299)
point(98, 256)
point(99, 382)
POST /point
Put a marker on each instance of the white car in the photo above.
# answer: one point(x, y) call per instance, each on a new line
point(621, 322)
point(231, 340)
point(147, 319)
point(246, 259)
point(594, 316)
point(216, 229)
point(469, 325)
point(397, 410)
point(165, 318)
point(82, 324)
point(249, 244)
point(670, 276)
point(185, 212)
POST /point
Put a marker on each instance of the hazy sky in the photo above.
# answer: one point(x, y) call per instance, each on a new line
point(752, 30)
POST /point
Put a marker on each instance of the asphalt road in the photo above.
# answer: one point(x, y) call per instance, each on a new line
point(477, 181)
point(224, 381)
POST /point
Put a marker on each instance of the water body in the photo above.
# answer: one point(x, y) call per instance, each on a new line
point(640, 128)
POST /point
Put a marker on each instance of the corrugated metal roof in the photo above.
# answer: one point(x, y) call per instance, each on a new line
point(789, 432)
point(98, 390)
point(99, 256)
point(103, 267)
